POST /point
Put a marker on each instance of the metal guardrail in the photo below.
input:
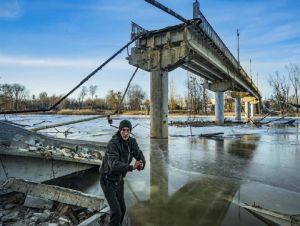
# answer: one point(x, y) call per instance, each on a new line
point(207, 28)
point(210, 32)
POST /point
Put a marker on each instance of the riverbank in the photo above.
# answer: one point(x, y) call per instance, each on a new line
point(146, 113)
point(137, 113)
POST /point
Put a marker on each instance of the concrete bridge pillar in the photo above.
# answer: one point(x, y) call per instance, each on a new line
point(247, 109)
point(159, 104)
point(252, 110)
point(219, 108)
point(238, 109)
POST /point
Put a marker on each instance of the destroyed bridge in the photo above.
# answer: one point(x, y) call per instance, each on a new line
point(196, 47)
point(192, 45)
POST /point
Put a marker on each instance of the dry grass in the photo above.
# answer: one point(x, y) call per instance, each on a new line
point(134, 113)
point(79, 112)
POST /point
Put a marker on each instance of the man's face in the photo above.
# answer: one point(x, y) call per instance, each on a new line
point(125, 133)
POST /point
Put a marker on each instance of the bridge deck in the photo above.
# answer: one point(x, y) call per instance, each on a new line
point(190, 47)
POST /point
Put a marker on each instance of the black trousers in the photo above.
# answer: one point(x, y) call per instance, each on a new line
point(114, 194)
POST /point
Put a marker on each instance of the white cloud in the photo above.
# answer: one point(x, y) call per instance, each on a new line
point(10, 9)
point(23, 61)
point(275, 35)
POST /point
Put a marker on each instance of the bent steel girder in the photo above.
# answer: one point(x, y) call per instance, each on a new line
point(189, 47)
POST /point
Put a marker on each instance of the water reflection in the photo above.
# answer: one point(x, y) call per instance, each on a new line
point(199, 189)
point(245, 147)
point(158, 171)
point(197, 200)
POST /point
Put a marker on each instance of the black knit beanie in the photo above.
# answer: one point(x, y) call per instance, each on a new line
point(125, 123)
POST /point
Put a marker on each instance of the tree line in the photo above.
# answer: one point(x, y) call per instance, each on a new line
point(286, 86)
point(194, 99)
point(14, 97)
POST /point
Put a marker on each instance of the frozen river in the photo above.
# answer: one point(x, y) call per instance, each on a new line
point(197, 181)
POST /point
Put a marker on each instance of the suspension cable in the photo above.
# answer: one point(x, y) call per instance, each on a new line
point(81, 83)
point(91, 118)
point(120, 104)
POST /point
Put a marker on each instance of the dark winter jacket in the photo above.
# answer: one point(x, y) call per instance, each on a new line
point(117, 159)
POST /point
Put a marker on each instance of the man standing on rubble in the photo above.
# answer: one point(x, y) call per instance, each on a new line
point(116, 163)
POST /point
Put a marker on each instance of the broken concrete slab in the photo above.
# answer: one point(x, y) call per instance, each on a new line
point(11, 217)
point(68, 214)
point(37, 168)
point(36, 202)
point(9, 206)
point(44, 216)
point(33, 156)
point(56, 193)
point(18, 223)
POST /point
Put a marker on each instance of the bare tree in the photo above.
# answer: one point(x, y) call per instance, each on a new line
point(147, 105)
point(54, 99)
point(44, 100)
point(205, 97)
point(294, 75)
point(19, 94)
point(135, 96)
point(113, 99)
point(194, 94)
point(82, 95)
point(172, 98)
point(92, 90)
point(280, 91)
point(6, 95)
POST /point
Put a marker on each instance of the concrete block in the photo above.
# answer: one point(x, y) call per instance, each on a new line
point(32, 148)
point(64, 221)
point(40, 203)
point(9, 206)
point(18, 223)
point(41, 217)
point(13, 216)
point(59, 194)
point(33, 219)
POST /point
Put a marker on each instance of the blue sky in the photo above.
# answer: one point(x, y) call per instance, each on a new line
point(51, 45)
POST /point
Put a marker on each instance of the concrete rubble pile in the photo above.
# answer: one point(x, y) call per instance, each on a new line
point(47, 151)
point(61, 150)
point(16, 209)
point(18, 139)
point(24, 202)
